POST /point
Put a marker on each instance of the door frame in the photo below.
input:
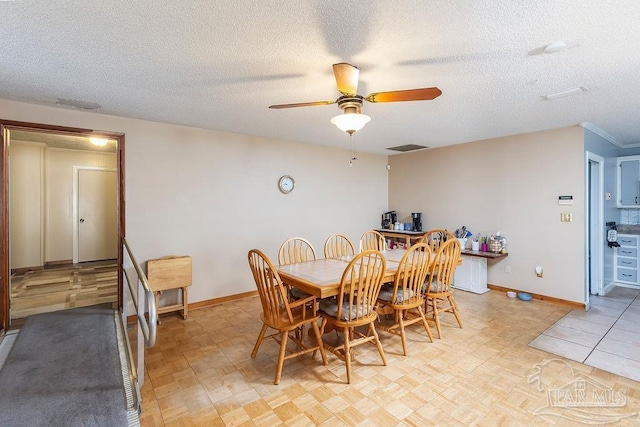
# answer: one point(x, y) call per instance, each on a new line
point(76, 203)
point(594, 225)
point(6, 126)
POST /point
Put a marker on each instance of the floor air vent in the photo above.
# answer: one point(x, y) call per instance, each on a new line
point(408, 147)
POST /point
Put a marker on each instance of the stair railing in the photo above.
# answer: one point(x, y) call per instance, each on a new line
point(141, 296)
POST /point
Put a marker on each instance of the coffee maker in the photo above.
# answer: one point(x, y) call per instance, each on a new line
point(388, 219)
point(417, 221)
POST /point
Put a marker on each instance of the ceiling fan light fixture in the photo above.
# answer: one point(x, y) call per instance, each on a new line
point(350, 122)
point(98, 142)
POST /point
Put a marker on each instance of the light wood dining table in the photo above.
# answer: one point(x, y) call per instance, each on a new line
point(321, 277)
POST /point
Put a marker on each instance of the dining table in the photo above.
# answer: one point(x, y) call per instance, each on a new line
point(321, 277)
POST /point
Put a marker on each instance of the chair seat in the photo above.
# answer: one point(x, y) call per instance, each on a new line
point(386, 294)
point(436, 288)
point(300, 316)
point(298, 293)
point(330, 307)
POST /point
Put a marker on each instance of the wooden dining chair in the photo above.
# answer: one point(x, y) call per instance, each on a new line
point(372, 241)
point(281, 314)
point(434, 238)
point(295, 250)
point(337, 246)
point(359, 286)
point(438, 293)
point(404, 299)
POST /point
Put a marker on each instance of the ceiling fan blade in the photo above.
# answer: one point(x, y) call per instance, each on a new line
point(346, 78)
point(424, 94)
point(301, 104)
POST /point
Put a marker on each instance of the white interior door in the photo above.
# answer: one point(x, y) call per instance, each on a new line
point(97, 215)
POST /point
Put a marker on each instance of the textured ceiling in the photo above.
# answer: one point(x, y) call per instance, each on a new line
point(220, 64)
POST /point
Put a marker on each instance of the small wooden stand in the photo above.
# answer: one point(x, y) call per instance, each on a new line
point(405, 235)
point(170, 272)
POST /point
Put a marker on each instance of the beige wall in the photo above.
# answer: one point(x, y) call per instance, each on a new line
point(213, 195)
point(26, 204)
point(59, 197)
point(510, 184)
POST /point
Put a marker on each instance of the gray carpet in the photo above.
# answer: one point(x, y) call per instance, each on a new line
point(64, 370)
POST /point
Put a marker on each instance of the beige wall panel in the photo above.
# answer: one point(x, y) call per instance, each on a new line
point(510, 184)
point(213, 195)
point(59, 197)
point(26, 160)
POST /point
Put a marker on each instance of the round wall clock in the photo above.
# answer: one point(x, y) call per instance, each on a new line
point(286, 184)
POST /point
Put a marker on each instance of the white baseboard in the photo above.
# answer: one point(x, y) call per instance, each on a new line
point(623, 285)
point(607, 288)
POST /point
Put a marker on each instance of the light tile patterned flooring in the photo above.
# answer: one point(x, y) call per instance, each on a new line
point(62, 287)
point(606, 337)
point(200, 373)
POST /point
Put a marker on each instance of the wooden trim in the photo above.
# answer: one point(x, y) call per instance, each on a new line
point(207, 303)
point(40, 127)
point(210, 302)
point(5, 278)
point(121, 218)
point(538, 297)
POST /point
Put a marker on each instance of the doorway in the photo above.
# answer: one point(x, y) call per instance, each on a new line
point(51, 248)
point(595, 241)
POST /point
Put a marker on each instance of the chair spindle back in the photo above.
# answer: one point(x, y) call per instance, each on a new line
point(337, 246)
point(294, 250)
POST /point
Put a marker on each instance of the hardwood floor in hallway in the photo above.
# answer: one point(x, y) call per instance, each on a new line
point(62, 287)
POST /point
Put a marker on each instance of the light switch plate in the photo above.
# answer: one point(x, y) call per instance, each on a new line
point(566, 217)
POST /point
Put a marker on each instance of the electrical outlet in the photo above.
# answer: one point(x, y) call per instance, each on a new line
point(566, 217)
point(507, 269)
point(539, 272)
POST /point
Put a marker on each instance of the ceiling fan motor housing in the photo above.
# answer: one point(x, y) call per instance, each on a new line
point(350, 104)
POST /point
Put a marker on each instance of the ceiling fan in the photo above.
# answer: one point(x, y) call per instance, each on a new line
point(351, 103)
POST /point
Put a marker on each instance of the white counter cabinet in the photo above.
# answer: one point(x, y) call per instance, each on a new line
point(471, 275)
point(626, 259)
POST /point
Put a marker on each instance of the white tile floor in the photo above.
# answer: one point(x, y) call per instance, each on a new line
point(605, 337)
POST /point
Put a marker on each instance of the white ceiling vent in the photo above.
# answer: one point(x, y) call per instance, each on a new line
point(565, 93)
point(408, 147)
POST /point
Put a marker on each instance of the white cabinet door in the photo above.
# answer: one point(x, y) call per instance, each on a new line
point(629, 182)
point(471, 275)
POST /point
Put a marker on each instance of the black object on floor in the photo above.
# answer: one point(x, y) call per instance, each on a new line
point(64, 369)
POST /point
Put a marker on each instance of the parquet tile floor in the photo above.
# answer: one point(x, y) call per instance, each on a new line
point(62, 287)
point(200, 373)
